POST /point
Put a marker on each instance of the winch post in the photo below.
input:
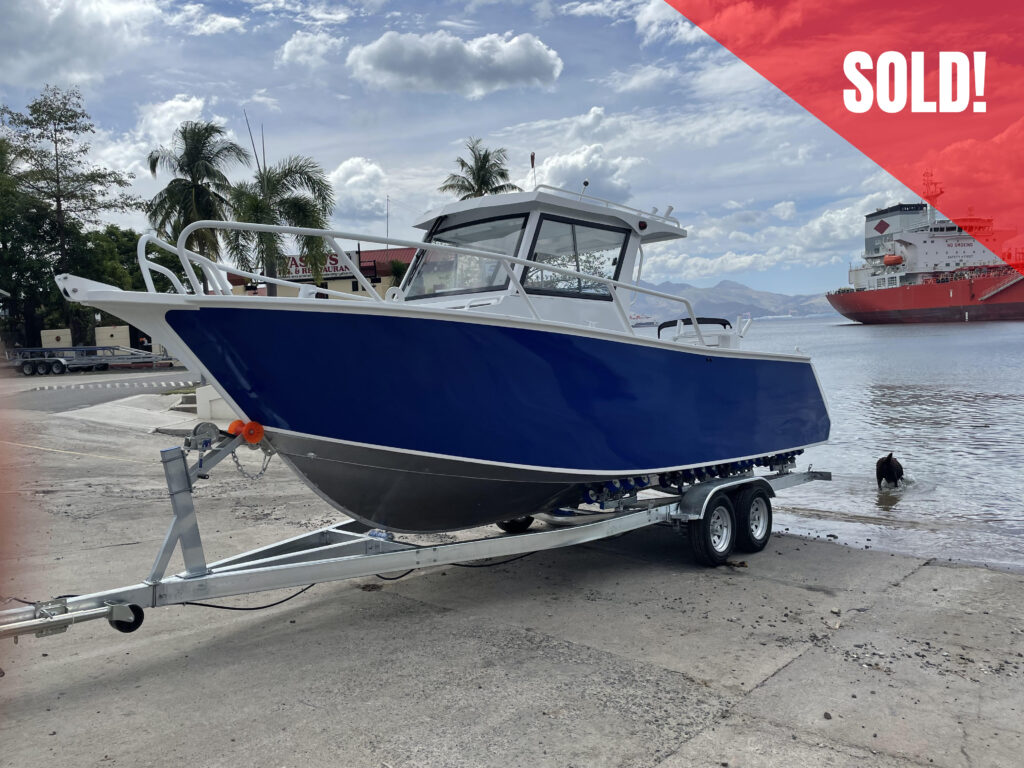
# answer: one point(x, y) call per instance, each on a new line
point(185, 525)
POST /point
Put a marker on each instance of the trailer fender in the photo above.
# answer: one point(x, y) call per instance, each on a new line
point(694, 503)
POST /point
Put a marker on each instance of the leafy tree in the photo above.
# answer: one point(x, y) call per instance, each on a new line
point(49, 141)
point(486, 173)
point(294, 192)
point(197, 159)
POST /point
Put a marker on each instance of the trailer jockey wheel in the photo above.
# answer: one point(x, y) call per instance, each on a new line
point(129, 625)
point(516, 525)
point(753, 520)
point(713, 536)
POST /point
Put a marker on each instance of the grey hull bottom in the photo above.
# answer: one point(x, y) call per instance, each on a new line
point(418, 494)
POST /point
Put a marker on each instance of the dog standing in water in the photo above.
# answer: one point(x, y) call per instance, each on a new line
point(889, 469)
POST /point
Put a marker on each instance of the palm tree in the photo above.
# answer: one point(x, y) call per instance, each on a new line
point(485, 174)
point(294, 192)
point(197, 159)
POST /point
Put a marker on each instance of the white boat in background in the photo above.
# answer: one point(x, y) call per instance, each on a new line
point(504, 377)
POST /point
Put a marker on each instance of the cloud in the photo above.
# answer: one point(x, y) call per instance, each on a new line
point(155, 125)
point(261, 97)
point(644, 77)
point(785, 210)
point(440, 62)
point(657, 21)
point(308, 49)
point(67, 41)
point(196, 20)
point(359, 189)
point(606, 173)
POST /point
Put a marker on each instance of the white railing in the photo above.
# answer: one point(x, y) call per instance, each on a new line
point(216, 273)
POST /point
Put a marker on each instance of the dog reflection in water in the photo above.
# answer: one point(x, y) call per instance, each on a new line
point(888, 469)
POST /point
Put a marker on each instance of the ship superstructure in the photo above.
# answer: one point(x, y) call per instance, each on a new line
point(919, 266)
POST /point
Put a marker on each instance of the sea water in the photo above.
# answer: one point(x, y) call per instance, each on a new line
point(948, 401)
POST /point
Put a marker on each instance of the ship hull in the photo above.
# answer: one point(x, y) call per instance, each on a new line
point(406, 419)
point(957, 301)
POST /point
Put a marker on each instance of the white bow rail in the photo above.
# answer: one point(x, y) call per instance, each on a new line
point(216, 274)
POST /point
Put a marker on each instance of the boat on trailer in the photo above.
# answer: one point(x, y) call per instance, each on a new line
point(503, 378)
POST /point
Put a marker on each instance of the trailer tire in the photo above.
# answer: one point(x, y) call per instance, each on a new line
point(57, 368)
point(753, 520)
point(28, 368)
point(516, 524)
point(713, 537)
point(138, 616)
point(42, 368)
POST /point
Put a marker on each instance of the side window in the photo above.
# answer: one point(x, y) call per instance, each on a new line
point(585, 248)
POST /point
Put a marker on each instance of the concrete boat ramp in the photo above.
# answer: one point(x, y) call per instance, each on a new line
point(617, 653)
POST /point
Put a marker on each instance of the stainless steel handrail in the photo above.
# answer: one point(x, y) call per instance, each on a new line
point(216, 273)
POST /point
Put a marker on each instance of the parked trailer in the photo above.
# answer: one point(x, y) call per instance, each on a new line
point(718, 516)
point(58, 360)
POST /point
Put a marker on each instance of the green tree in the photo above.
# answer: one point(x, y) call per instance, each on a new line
point(199, 155)
point(49, 137)
point(294, 192)
point(486, 173)
point(28, 249)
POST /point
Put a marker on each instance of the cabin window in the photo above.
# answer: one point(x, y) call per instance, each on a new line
point(591, 249)
point(441, 273)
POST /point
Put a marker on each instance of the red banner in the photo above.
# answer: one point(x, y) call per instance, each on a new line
point(921, 87)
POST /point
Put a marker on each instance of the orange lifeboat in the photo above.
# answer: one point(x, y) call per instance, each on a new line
point(892, 260)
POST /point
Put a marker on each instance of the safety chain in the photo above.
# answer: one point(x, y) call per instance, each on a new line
point(267, 456)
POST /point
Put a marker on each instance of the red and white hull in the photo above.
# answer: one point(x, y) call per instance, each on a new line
point(996, 297)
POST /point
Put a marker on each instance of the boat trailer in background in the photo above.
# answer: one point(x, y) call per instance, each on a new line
point(718, 515)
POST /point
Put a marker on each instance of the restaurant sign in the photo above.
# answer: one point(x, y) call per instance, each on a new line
point(297, 269)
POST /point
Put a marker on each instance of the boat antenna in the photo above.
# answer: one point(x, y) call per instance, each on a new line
point(586, 183)
point(533, 167)
point(387, 222)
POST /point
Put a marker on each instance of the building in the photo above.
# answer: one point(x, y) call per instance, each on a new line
point(376, 266)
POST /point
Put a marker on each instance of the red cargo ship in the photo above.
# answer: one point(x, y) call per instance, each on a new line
point(919, 268)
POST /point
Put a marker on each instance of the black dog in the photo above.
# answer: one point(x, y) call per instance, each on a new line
point(889, 469)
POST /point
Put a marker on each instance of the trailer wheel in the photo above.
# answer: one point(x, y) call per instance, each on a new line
point(42, 368)
point(128, 626)
point(714, 535)
point(753, 520)
point(57, 368)
point(28, 368)
point(516, 525)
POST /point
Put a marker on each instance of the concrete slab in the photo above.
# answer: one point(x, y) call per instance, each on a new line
point(617, 653)
point(745, 743)
point(348, 677)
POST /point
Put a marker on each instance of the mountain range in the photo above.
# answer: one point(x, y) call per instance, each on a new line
point(727, 299)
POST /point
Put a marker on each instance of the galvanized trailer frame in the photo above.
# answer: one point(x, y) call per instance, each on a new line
point(347, 550)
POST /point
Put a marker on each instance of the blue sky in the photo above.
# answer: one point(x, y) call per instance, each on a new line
point(383, 94)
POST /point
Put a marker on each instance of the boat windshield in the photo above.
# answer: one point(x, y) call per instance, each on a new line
point(439, 272)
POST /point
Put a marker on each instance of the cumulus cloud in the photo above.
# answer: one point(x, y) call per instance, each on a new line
point(308, 49)
point(196, 20)
point(607, 174)
point(440, 62)
point(155, 125)
point(68, 41)
point(359, 189)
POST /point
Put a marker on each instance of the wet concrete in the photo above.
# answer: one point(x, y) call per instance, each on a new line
point(621, 653)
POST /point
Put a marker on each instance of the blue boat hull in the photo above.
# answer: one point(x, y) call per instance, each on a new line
point(417, 423)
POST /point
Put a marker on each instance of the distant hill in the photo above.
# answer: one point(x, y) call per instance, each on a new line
point(728, 299)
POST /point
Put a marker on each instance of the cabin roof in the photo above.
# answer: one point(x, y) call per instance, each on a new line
point(651, 227)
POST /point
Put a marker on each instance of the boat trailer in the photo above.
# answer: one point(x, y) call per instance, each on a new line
point(717, 515)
